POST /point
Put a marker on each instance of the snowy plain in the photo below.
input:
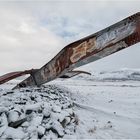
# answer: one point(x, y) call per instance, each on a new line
point(104, 105)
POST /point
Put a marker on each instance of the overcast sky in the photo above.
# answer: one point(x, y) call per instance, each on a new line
point(32, 32)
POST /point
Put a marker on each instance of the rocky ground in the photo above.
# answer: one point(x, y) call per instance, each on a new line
point(37, 113)
point(105, 105)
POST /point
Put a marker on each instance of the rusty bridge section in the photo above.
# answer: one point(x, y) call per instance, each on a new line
point(12, 75)
point(91, 48)
point(9, 76)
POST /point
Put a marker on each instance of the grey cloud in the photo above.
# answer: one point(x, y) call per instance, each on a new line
point(32, 32)
point(23, 43)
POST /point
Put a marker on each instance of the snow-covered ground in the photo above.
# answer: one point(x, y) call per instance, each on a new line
point(104, 105)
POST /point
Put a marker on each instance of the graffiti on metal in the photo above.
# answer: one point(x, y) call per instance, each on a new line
point(102, 41)
point(111, 50)
point(82, 50)
point(78, 52)
point(115, 35)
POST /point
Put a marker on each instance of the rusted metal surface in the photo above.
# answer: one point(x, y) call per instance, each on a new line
point(96, 46)
point(12, 75)
point(73, 73)
point(9, 76)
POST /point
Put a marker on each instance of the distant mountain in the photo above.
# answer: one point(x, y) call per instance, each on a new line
point(117, 75)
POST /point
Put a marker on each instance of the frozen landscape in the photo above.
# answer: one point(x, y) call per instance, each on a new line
point(104, 105)
point(51, 38)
